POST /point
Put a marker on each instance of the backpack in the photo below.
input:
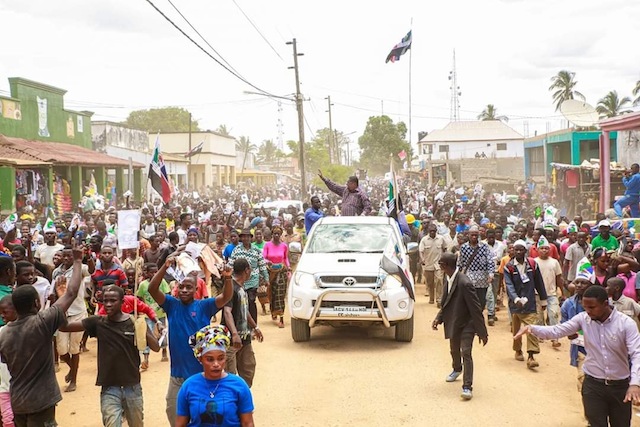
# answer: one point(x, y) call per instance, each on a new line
point(512, 268)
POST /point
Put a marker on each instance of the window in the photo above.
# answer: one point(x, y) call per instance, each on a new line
point(443, 148)
point(427, 149)
point(536, 161)
point(501, 146)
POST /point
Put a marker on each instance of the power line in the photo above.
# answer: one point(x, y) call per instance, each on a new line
point(204, 51)
point(258, 30)
point(202, 37)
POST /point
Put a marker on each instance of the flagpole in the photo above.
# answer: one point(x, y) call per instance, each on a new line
point(410, 56)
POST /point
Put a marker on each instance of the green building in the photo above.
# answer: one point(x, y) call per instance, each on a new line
point(46, 152)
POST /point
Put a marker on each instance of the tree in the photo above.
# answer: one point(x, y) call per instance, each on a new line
point(223, 130)
point(168, 119)
point(491, 113)
point(636, 92)
point(564, 85)
point(267, 151)
point(381, 140)
point(294, 147)
point(246, 147)
point(611, 105)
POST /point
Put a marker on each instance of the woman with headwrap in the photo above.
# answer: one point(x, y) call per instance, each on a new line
point(213, 397)
point(276, 254)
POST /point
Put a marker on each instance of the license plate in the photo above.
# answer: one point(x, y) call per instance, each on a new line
point(351, 309)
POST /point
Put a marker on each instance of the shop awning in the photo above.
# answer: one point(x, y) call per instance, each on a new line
point(58, 153)
point(21, 163)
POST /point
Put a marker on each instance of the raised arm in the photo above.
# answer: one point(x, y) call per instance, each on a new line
point(154, 284)
point(227, 290)
point(65, 301)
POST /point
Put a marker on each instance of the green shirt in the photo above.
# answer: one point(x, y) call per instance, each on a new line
point(259, 246)
point(143, 292)
point(610, 244)
point(4, 291)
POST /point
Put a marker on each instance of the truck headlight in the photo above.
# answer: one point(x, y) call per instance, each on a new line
point(304, 280)
point(392, 282)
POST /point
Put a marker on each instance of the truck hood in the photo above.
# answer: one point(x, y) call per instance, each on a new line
point(345, 263)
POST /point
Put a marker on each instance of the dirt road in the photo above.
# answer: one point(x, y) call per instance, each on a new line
point(362, 377)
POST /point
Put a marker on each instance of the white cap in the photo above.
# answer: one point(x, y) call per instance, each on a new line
point(604, 223)
point(520, 242)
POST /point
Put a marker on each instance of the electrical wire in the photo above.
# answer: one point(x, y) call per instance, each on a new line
point(258, 30)
point(202, 37)
point(205, 51)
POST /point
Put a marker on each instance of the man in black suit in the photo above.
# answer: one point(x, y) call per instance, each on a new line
point(462, 317)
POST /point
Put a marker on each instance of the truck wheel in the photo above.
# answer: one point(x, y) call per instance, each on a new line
point(300, 330)
point(404, 330)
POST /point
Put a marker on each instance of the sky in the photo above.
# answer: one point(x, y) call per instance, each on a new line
point(115, 56)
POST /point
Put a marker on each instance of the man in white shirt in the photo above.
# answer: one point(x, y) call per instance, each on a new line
point(26, 275)
point(622, 303)
point(552, 278)
point(431, 248)
point(46, 251)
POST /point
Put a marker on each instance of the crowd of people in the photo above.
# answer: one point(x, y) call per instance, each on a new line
point(191, 289)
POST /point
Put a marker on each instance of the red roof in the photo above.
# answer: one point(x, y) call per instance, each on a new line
point(58, 153)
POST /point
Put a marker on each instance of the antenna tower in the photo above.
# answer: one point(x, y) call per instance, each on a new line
point(280, 143)
point(454, 112)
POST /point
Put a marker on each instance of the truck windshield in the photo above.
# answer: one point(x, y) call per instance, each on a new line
point(363, 238)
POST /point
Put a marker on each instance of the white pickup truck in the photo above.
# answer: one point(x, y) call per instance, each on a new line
point(340, 279)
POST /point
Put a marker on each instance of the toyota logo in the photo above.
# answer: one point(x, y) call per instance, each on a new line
point(349, 281)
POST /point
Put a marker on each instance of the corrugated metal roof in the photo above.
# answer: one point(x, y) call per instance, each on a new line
point(487, 130)
point(57, 153)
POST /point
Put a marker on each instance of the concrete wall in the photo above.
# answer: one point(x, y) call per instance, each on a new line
point(628, 146)
point(472, 170)
point(107, 134)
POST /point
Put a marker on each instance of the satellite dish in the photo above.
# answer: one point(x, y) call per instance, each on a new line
point(579, 113)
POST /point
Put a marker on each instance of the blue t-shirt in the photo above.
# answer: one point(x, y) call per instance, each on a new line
point(232, 397)
point(184, 321)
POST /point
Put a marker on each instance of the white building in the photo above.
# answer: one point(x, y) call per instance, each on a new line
point(215, 165)
point(465, 139)
point(470, 151)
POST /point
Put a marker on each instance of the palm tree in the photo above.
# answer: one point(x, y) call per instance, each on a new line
point(636, 92)
point(611, 105)
point(223, 130)
point(491, 113)
point(564, 86)
point(245, 146)
point(267, 151)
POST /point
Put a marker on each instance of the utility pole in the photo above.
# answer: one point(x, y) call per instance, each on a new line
point(189, 167)
point(303, 178)
point(332, 144)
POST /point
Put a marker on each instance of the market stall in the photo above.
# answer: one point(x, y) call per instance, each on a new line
point(578, 187)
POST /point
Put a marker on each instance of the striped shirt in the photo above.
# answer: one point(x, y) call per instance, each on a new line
point(354, 203)
point(115, 273)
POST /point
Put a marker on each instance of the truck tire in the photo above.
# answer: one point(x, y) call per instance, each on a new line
point(404, 330)
point(300, 331)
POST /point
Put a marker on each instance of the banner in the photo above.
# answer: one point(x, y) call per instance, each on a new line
point(128, 227)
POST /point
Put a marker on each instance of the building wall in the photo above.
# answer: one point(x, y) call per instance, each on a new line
point(36, 111)
point(467, 171)
point(628, 147)
point(107, 134)
point(468, 149)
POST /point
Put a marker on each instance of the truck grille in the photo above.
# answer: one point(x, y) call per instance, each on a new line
point(337, 280)
point(331, 304)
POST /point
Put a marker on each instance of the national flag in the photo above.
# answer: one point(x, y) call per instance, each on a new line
point(392, 264)
point(195, 150)
point(394, 204)
point(93, 187)
point(400, 49)
point(158, 174)
point(402, 155)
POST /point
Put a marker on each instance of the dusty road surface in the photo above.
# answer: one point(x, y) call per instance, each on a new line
point(362, 377)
